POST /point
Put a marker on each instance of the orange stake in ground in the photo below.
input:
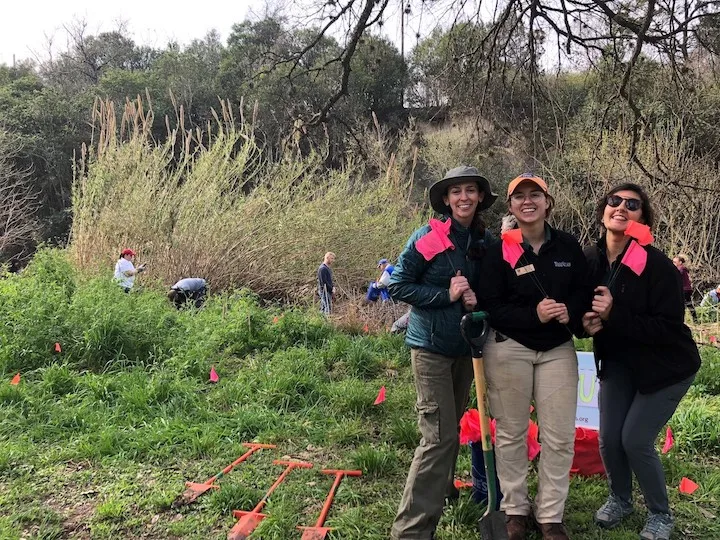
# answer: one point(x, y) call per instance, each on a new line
point(318, 532)
point(248, 521)
point(194, 489)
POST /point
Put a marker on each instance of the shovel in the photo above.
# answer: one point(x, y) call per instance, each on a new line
point(248, 521)
point(475, 327)
point(318, 532)
point(194, 489)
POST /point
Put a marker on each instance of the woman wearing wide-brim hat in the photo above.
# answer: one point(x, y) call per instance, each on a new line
point(436, 274)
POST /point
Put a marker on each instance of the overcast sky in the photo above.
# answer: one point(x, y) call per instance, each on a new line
point(25, 25)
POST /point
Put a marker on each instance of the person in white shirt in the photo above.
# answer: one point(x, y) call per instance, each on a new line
point(125, 271)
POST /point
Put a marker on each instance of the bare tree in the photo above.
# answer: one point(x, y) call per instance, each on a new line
point(19, 203)
point(555, 35)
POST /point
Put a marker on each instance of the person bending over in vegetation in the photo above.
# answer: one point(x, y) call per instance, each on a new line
point(188, 290)
point(125, 271)
point(378, 289)
point(679, 263)
point(711, 298)
point(436, 274)
point(646, 357)
point(326, 290)
point(534, 288)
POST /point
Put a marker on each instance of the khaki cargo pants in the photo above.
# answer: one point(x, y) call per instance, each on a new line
point(442, 384)
point(516, 376)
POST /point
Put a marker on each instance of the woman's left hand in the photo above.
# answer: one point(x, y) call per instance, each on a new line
point(602, 302)
point(564, 317)
point(469, 300)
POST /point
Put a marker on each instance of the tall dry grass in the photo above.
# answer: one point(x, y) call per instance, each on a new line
point(212, 204)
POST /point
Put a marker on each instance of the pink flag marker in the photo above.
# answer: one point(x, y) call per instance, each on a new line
point(380, 397)
point(15, 380)
point(713, 339)
point(436, 241)
point(669, 441)
point(687, 486)
point(213, 375)
point(635, 258)
point(57, 348)
point(512, 249)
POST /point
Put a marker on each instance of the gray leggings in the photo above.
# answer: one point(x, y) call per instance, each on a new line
point(629, 424)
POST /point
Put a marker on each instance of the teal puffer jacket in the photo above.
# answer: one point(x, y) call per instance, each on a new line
point(434, 320)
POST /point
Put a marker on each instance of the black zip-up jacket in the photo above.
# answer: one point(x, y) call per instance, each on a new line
point(645, 328)
point(511, 299)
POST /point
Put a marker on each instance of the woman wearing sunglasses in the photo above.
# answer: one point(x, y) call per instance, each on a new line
point(534, 287)
point(646, 357)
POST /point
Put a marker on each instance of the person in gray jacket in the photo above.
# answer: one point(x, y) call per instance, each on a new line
point(436, 274)
point(188, 290)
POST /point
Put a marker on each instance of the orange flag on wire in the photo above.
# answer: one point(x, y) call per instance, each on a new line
point(15, 380)
point(687, 486)
point(275, 319)
point(459, 484)
point(639, 232)
point(366, 329)
point(380, 397)
point(57, 348)
point(213, 375)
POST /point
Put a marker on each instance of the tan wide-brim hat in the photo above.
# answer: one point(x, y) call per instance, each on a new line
point(458, 175)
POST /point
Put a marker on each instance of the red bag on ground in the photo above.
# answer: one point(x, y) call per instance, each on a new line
point(587, 460)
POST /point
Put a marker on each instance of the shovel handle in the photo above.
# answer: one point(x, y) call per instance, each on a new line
point(479, 371)
point(485, 436)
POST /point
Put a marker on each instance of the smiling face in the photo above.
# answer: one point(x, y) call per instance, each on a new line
point(616, 219)
point(528, 203)
point(463, 200)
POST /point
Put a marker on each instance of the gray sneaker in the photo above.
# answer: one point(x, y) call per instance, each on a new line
point(657, 527)
point(612, 512)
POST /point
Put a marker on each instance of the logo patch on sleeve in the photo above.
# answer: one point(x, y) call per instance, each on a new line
point(562, 264)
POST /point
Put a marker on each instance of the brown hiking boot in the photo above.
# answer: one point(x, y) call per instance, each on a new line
point(553, 531)
point(517, 527)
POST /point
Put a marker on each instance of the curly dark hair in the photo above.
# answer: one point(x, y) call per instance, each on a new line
point(648, 214)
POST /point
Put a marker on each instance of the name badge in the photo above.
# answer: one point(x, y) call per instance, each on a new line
point(525, 270)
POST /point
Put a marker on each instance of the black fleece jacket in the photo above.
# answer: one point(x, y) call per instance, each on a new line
point(511, 299)
point(645, 329)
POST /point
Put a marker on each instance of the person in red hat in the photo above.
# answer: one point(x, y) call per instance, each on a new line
point(125, 270)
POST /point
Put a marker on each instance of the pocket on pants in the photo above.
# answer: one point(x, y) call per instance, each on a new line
point(429, 422)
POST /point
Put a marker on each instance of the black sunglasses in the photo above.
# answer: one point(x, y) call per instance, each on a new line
point(631, 204)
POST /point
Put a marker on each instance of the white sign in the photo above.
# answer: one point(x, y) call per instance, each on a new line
point(587, 414)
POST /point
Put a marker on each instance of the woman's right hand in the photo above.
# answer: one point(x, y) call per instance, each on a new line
point(458, 285)
point(591, 323)
point(548, 309)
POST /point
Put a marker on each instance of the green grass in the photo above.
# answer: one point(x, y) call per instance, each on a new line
point(102, 448)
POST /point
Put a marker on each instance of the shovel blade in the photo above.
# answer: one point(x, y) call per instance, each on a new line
point(246, 524)
point(492, 526)
point(314, 533)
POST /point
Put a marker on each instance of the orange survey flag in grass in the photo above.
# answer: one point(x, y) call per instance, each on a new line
point(213, 375)
point(57, 348)
point(687, 486)
point(15, 380)
point(380, 397)
point(669, 440)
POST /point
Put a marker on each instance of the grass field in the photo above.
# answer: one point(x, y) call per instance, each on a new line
point(97, 440)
